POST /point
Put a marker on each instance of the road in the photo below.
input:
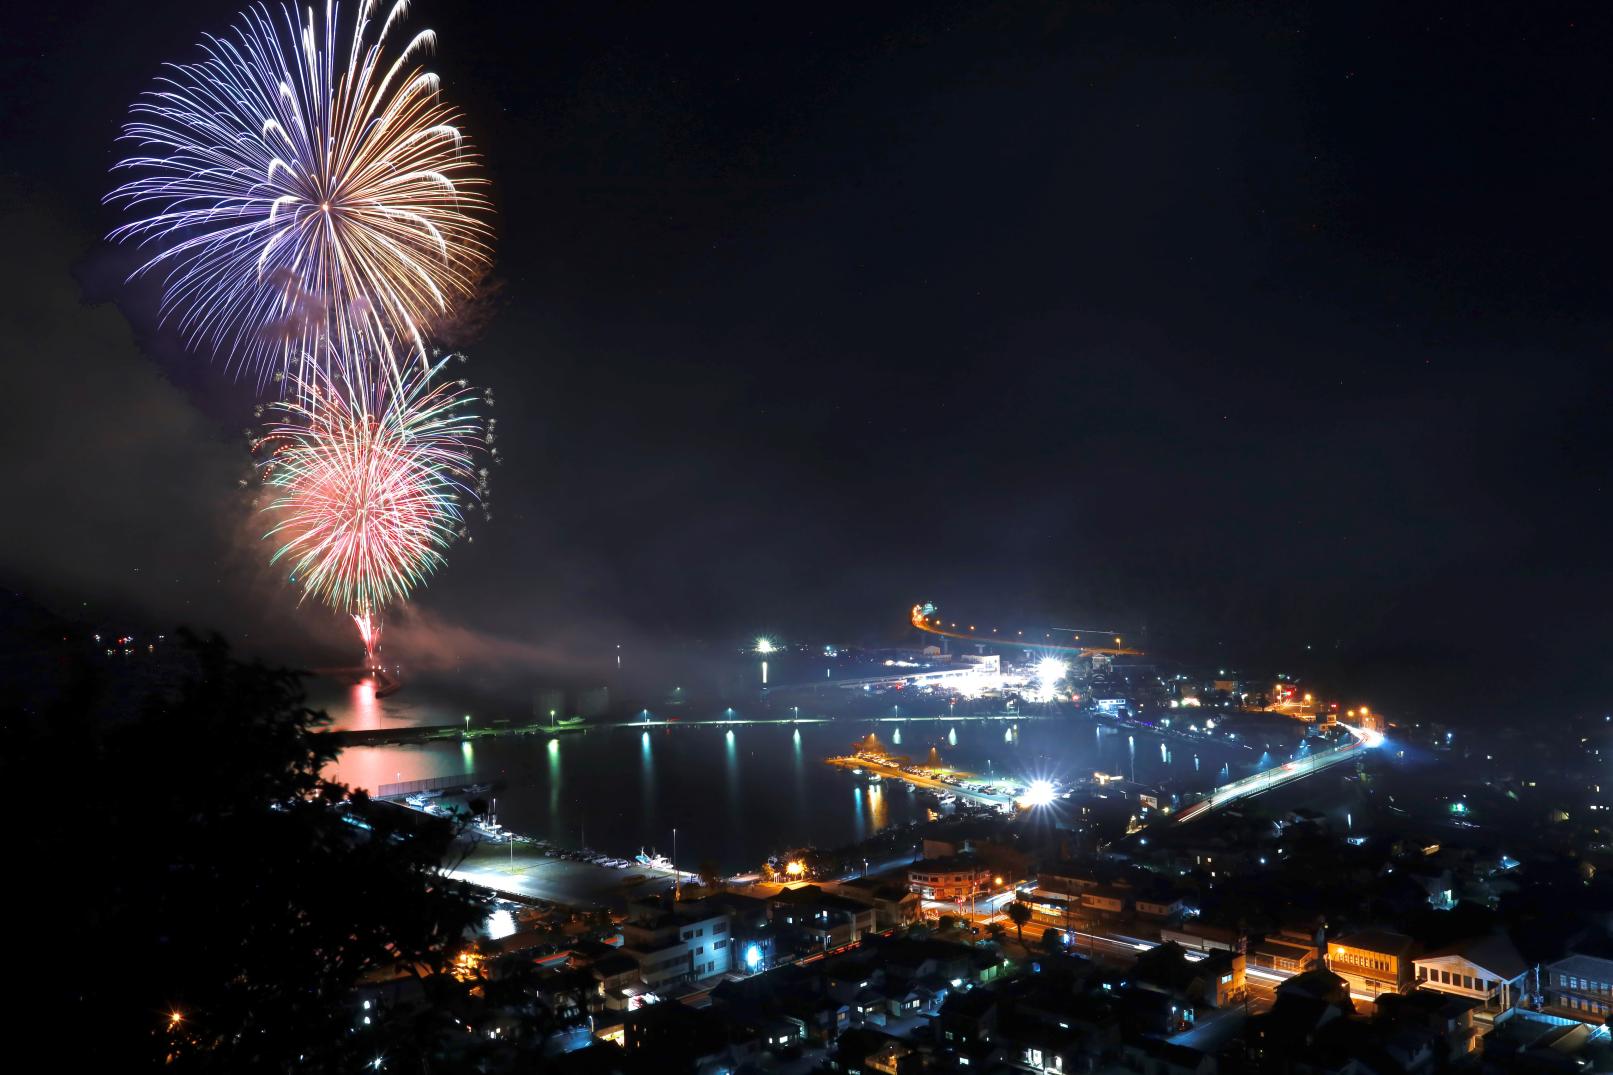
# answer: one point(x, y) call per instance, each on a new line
point(1286, 773)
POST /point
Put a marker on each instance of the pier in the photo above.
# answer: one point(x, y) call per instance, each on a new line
point(888, 771)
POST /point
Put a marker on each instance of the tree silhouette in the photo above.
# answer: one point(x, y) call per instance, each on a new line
point(245, 893)
point(1019, 913)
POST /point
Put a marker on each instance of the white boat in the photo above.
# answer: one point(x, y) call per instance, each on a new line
point(654, 862)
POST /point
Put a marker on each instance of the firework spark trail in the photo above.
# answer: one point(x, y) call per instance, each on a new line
point(370, 484)
point(292, 200)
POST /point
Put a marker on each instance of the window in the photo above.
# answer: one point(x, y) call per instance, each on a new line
point(720, 927)
point(717, 946)
point(1467, 981)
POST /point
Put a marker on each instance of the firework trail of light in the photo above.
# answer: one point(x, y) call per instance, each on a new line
point(296, 191)
point(369, 484)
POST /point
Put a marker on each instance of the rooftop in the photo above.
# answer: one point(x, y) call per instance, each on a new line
point(1381, 941)
point(1495, 953)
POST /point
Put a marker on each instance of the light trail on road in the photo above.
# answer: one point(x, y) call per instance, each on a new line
point(1286, 773)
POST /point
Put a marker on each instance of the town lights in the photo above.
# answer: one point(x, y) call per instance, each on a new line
point(795, 868)
point(753, 957)
point(765, 645)
point(1050, 670)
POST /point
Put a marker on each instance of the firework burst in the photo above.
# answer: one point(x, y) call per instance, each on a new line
point(369, 485)
point(296, 191)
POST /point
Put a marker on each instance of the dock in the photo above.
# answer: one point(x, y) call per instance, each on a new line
point(888, 771)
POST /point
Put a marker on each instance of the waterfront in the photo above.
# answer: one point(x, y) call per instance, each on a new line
point(738, 793)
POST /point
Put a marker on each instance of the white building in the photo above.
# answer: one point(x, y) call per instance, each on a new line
point(689, 941)
point(1487, 969)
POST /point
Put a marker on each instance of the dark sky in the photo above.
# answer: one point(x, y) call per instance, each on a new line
point(1253, 327)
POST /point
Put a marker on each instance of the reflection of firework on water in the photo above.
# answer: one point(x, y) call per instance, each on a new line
point(370, 484)
point(297, 191)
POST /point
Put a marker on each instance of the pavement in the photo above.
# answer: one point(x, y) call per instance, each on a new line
point(524, 872)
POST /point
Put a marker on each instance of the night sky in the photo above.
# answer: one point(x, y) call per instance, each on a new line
point(1248, 328)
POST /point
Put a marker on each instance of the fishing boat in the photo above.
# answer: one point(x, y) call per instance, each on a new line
point(652, 861)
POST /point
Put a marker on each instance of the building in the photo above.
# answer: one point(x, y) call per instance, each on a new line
point(681, 941)
point(1488, 970)
point(1284, 954)
point(1445, 1018)
point(819, 920)
point(894, 903)
point(751, 929)
point(1373, 961)
point(958, 878)
point(1107, 900)
point(1161, 903)
point(1579, 987)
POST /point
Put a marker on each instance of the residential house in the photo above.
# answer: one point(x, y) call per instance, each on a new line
point(894, 903)
point(819, 920)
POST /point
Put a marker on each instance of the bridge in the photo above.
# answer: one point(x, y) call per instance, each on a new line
point(1097, 641)
point(1361, 739)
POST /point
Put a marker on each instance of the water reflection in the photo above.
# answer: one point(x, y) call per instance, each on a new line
point(365, 709)
point(783, 794)
point(897, 738)
point(647, 779)
point(554, 781)
point(731, 766)
point(878, 808)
